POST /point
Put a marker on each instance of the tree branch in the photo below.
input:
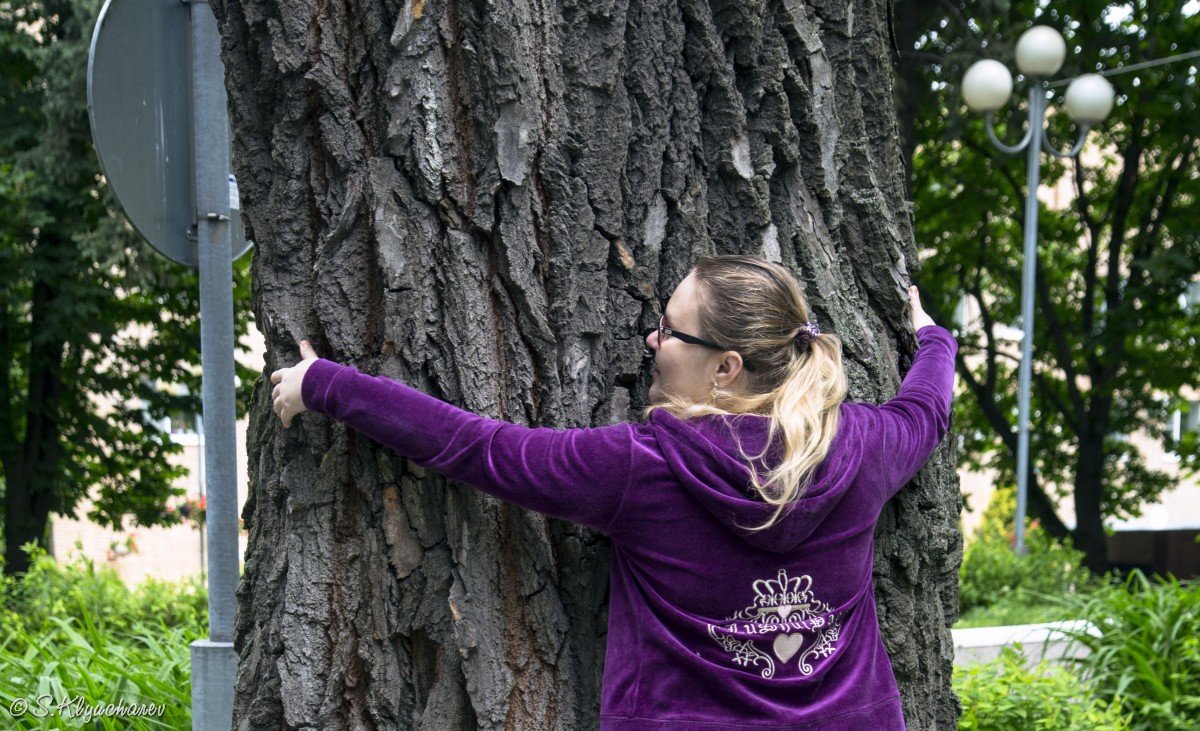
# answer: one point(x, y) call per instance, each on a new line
point(1044, 387)
point(1146, 241)
point(1165, 200)
point(988, 153)
point(7, 428)
point(1076, 415)
point(1063, 350)
point(1043, 506)
point(956, 11)
point(924, 56)
point(976, 289)
point(1084, 204)
point(1120, 206)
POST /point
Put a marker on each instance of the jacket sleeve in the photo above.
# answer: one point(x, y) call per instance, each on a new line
point(911, 425)
point(579, 475)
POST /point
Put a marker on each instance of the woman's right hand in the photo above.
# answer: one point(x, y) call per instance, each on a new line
point(919, 318)
point(288, 396)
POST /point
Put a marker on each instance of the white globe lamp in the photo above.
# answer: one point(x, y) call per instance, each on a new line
point(986, 86)
point(1040, 51)
point(1089, 98)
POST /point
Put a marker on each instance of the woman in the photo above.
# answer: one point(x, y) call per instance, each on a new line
point(740, 597)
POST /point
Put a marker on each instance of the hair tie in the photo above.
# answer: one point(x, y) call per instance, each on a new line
point(808, 332)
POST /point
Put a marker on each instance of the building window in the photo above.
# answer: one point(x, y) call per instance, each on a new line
point(180, 424)
point(1190, 299)
point(1182, 423)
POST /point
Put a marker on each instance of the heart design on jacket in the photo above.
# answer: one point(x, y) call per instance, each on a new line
point(785, 646)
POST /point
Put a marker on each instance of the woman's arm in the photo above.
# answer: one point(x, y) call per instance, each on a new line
point(911, 425)
point(578, 475)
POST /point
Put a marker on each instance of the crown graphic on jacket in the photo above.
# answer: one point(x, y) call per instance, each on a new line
point(782, 591)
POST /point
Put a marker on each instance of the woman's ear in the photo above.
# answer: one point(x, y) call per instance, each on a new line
point(731, 364)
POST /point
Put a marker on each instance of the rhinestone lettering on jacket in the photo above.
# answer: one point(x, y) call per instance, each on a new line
point(794, 625)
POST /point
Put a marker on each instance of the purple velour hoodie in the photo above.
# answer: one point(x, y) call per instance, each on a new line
point(711, 626)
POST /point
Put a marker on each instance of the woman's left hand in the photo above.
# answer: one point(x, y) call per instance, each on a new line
point(287, 399)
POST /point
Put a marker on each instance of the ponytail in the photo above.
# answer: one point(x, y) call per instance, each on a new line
point(805, 409)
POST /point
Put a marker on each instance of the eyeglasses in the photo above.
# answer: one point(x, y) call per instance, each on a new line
point(664, 330)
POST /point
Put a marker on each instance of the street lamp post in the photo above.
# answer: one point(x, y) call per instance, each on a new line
point(986, 87)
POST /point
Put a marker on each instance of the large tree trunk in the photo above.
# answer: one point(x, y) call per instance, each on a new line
point(32, 463)
point(487, 201)
point(1089, 535)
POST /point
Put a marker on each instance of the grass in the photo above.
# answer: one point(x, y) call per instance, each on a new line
point(1147, 653)
point(75, 638)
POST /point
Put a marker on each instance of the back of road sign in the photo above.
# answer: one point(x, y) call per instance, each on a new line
point(139, 101)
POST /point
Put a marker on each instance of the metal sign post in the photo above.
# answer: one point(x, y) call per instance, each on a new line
point(212, 690)
point(165, 154)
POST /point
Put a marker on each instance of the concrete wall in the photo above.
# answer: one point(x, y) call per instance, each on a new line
point(1047, 641)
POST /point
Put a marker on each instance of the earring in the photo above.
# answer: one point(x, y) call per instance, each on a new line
point(714, 390)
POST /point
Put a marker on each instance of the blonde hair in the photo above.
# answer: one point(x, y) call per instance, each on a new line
point(757, 308)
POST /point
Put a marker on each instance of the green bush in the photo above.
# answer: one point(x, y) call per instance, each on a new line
point(76, 633)
point(1147, 651)
point(1017, 609)
point(993, 575)
point(1003, 695)
point(72, 590)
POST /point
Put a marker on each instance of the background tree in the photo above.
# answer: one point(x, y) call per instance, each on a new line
point(73, 278)
point(1115, 339)
point(491, 202)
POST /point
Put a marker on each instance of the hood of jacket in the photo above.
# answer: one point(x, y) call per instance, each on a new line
point(703, 453)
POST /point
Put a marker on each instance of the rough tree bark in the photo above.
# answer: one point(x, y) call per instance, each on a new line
point(489, 201)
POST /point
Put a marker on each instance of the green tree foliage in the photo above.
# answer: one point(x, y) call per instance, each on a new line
point(995, 581)
point(74, 280)
point(1114, 337)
